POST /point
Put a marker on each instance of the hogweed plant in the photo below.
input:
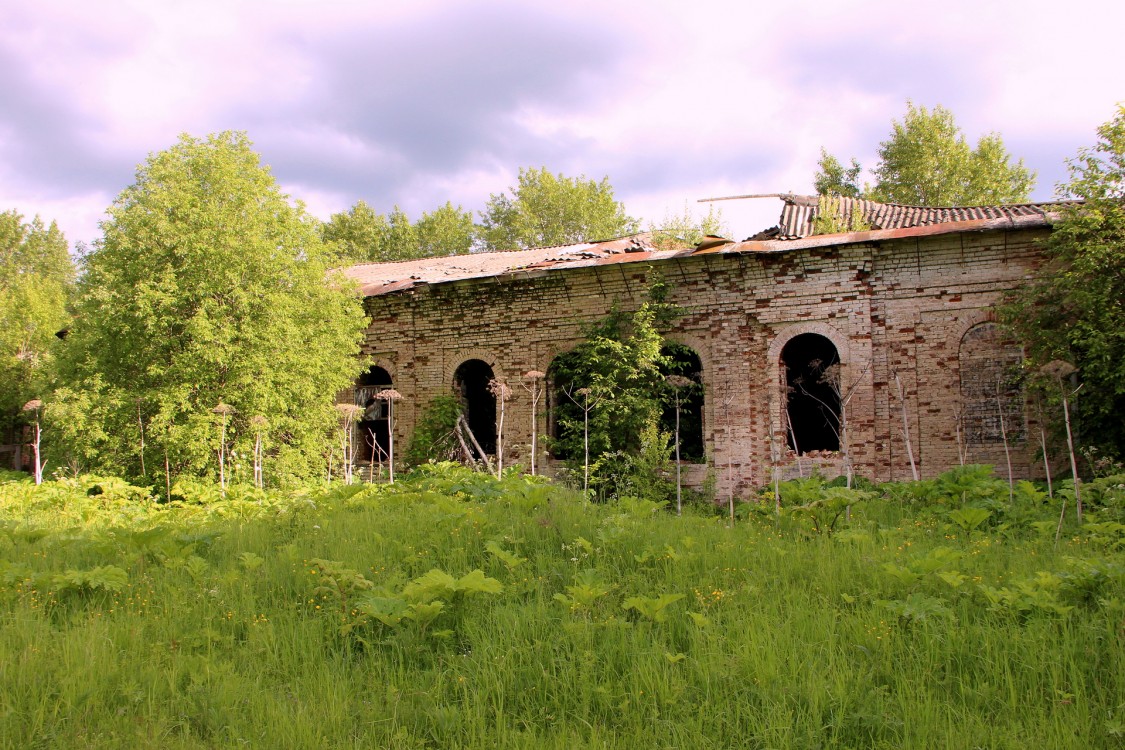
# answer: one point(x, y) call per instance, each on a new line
point(503, 394)
point(259, 424)
point(33, 406)
point(1043, 445)
point(586, 404)
point(348, 447)
point(223, 411)
point(678, 383)
point(1058, 370)
point(730, 455)
point(533, 384)
point(390, 395)
point(906, 426)
point(1004, 437)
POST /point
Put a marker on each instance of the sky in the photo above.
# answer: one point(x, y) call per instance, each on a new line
point(419, 102)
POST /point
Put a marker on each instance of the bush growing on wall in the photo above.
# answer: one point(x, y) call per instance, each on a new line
point(434, 437)
point(620, 370)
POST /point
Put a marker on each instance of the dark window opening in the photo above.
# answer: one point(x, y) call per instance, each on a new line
point(470, 383)
point(373, 437)
point(812, 403)
point(683, 361)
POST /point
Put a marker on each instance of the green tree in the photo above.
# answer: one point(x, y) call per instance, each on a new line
point(447, 230)
point(356, 235)
point(400, 238)
point(36, 275)
point(207, 287)
point(1074, 310)
point(833, 178)
point(361, 235)
point(927, 162)
point(546, 209)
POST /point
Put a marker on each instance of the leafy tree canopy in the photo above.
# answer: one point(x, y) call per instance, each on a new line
point(926, 161)
point(208, 286)
point(36, 275)
point(361, 235)
point(546, 209)
point(1075, 309)
point(447, 230)
point(356, 235)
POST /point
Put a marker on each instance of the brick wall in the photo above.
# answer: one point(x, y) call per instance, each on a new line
point(891, 308)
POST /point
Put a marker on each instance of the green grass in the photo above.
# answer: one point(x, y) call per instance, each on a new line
point(251, 621)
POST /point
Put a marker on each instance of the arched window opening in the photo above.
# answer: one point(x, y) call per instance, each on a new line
point(683, 361)
point(470, 383)
point(373, 437)
point(811, 400)
point(990, 387)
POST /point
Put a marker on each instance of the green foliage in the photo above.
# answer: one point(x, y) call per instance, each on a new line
point(619, 374)
point(208, 286)
point(437, 584)
point(356, 235)
point(422, 600)
point(546, 209)
point(360, 235)
point(582, 595)
point(834, 179)
point(1072, 310)
point(926, 161)
point(969, 484)
point(364, 616)
point(917, 608)
point(1039, 593)
point(36, 276)
point(652, 608)
point(102, 578)
point(1106, 496)
point(434, 437)
point(511, 560)
point(831, 218)
point(827, 506)
point(968, 519)
point(684, 230)
point(447, 230)
point(623, 364)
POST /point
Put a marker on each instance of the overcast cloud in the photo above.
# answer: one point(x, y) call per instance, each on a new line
point(416, 103)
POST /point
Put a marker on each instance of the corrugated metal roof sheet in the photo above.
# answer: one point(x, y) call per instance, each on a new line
point(800, 211)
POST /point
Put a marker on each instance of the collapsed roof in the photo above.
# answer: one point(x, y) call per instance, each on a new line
point(794, 231)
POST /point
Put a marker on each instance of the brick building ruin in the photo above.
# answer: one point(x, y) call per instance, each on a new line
point(905, 308)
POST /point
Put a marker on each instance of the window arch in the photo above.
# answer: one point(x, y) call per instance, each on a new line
point(470, 383)
point(990, 387)
point(683, 361)
point(811, 397)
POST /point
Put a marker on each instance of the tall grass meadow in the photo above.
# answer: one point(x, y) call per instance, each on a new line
point(455, 610)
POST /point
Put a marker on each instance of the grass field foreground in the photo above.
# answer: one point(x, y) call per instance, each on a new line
point(454, 610)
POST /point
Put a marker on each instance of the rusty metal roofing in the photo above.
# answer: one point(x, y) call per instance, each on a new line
point(376, 279)
point(800, 212)
point(794, 232)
